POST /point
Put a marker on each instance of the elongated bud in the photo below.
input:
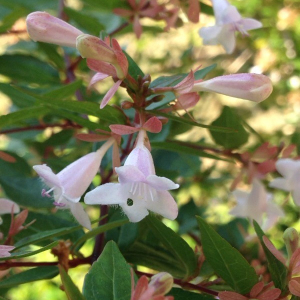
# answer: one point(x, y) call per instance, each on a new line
point(253, 87)
point(43, 27)
point(291, 239)
point(162, 283)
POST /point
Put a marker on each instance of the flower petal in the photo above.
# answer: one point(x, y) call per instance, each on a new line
point(161, 183)
point(286, 166)
point(294, 287)
point(123, 129)
point(80, 215)
point(110, 93)
point(249, 24)
point(129, 174)
point(96, 78)
point(135, 212)
point(230, 15)
point(153, 125)
point(281, 183)
point(210, 34)
point(107, 194)
point(227, 38)
point(141, 158)
point(7, 206)
point(219, 7)
point(101, 67)
point(231, 296)
point(77, 176)
point(165, 205)
point(47, 175)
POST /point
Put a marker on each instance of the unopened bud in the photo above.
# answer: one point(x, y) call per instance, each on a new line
point(147, 77)
point(126, 104)
point(157, 98)
point(162, 283)
point(45, 28)
point(253, 87)
point(291, 239)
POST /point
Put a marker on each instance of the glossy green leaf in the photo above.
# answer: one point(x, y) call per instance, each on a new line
point(29, 70)
point(228, 118)
point(86, 21)
point(190, 122)
point(21, 115)
point(183, 148)
point(34, 274)
point(8, 21)
point(133, 69)
point(109, 277)
point(94, 232)
point(20, 254)
point(227, 262)
point(70, 288)
point(64, 91)
point(180, 294)
point(25, 191)
point(277, 269)
point(180, 250)
point(45, 235)
point(18, 168)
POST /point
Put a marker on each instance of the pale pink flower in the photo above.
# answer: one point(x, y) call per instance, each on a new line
point(159, 285)
point(69, 184)
point(5, 249)
point(8, 207)
point(253, 87)
point(290, 170)
point(139, 189)
point(228, 21)
point(256, 204)
point(45, 28)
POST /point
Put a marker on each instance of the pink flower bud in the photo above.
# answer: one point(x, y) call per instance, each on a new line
point(253, 87)
point(43, 27)
point(162, 283)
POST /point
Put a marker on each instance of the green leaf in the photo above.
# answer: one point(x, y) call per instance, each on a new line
point(180, 294)
point(190, 122)
point(133, 69)
point(165, 81)
point(70, 288)
point(277, 269)
point(9, 20)
point(109, 277)
point(85, 21)
point(181, 251)
point(25, 191)
point(15, 118)
point(94, 232)
point(28, 69)
point(183, 149)
point(34, 274)
point(45, 235)
point(227, 262)
point(64, 91)
point(229, 118)
point(20, 254)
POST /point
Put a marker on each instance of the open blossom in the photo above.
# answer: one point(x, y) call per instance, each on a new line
point(256, 204)
point(69, 184)
point(290, 170)
point(159, 285)
point(253, 87)
point(5, 249)
point(139, 189)
point(228, 21)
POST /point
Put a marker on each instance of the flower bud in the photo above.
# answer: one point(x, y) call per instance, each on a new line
point(162, 283)
point(43, 27)
point(126, 104)
point(253, 87)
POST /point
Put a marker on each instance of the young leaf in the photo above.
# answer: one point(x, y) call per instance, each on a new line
point(109, 277)
point(70, 288)
point(277, 269)
point(227, 262)
point(35, 274)
point(228, 118)
point(133, 69)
